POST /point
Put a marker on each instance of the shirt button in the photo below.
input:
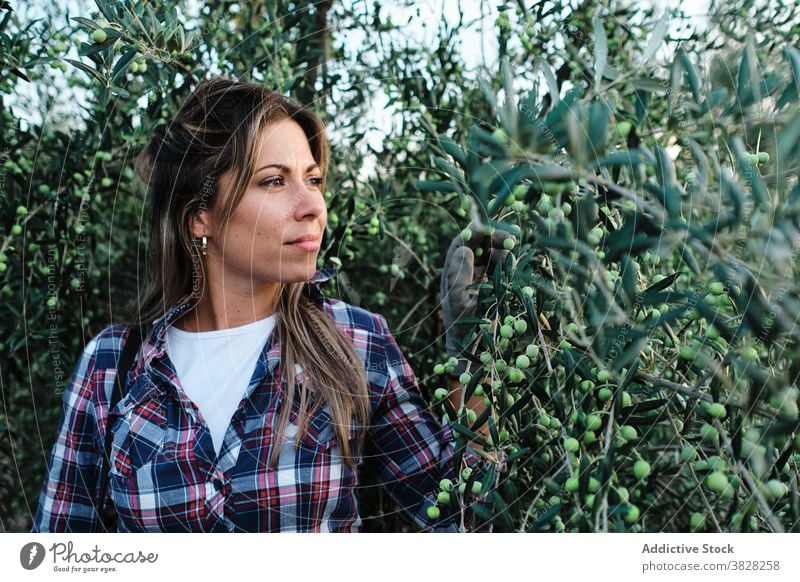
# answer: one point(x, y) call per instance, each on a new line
point(218, 484)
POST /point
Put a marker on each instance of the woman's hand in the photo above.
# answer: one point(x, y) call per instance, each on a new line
point(462, 269)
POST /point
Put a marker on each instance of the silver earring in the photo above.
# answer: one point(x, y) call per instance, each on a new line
point(205, 246)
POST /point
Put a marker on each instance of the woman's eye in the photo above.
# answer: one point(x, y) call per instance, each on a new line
point(278, 181)
point(270, 182)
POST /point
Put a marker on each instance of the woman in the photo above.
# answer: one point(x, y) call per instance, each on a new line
point(254, 399)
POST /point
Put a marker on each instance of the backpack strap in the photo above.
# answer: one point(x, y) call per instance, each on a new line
point(129, 350)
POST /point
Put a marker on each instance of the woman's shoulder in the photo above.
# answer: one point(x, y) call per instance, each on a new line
point(356, 318)
point(104, 347)
point(371, 338)
point(95, 365)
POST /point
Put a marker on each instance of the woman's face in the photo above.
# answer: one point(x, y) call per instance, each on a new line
point(284, 201)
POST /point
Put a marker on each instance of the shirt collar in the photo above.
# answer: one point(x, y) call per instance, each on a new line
point(154, 347)
point(185, 302)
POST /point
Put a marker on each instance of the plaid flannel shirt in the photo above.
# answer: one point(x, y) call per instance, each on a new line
point(165, 474)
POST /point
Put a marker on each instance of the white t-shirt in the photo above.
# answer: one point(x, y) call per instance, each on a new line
point(215, 367)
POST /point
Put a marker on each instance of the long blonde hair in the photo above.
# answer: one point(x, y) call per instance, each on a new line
point(217, 130)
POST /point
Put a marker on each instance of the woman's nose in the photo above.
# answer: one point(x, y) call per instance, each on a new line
point(310, 200)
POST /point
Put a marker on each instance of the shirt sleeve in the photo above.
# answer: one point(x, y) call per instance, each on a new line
point(410, 451)
point(68, 492)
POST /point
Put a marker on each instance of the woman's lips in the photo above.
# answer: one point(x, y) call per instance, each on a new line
point(306, 245)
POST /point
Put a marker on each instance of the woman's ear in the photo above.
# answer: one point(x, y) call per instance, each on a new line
point(200, 224)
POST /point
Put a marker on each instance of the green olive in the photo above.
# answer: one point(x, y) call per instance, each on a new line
point(750, 354)
point(717, 481)
point(433, 512)
point(624, 128)
point(571, 444)
point(594, 421)
point(776, 488)
point(641, 469)
point(717, 410)
point(688, 453)
point(515, 374)
point(697, 521)
point(99, 36)
point(632, 515)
